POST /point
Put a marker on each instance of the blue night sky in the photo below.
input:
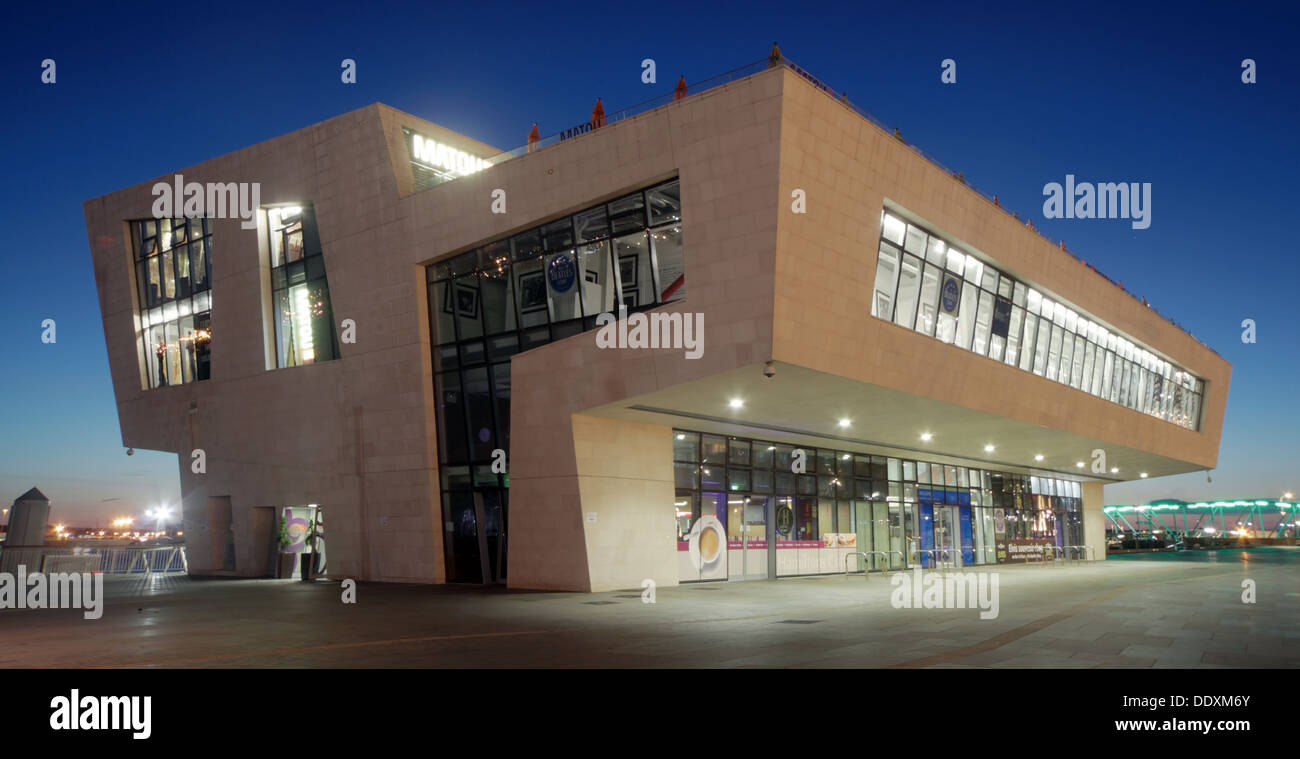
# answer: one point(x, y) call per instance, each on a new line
point(1107, 93)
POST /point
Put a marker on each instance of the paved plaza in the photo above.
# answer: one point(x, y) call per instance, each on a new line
point(1182, 610)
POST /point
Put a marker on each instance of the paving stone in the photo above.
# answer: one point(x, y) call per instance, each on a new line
point(1166, 612)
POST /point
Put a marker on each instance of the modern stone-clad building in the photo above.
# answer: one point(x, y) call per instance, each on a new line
point(401, 348)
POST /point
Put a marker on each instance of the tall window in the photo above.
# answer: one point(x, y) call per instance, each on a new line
point(300, 296)
point(173, 274)
point(517, 293)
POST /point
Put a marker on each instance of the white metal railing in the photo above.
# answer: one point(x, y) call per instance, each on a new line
point(127, 560)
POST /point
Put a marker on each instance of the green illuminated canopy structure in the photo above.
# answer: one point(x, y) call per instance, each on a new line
point(1257, 517)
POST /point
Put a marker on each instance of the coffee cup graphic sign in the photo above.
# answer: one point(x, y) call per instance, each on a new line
point(707, 544)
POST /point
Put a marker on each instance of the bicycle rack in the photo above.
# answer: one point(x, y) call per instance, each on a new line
point(947, 561)
point(933, 557)
point(866, 570)
point(1080, 552)
point(1057, 553)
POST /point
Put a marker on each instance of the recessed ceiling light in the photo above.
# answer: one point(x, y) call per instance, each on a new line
point(681, 437)
point(844, 422)
point(988, 449)
point(737, 403)
point(845, 457)
point(1114, 469)
point(1079, 464)
point(926, 436)
point(1039, 457)
point(1143, 475)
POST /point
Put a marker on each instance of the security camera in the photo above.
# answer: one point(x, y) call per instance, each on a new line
point(130, 451)
point(769, 370)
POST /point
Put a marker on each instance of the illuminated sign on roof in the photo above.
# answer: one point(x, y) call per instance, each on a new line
point(444, 158)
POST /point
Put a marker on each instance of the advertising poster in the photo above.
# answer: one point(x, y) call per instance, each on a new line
point(706, 545)
point(1021, 550)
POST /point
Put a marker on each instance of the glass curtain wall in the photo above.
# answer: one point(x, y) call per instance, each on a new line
point(173, 275)
point(514, 294)
point(925, 283)
point(848, 502)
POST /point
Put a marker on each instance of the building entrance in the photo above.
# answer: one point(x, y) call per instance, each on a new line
point(751, 553)
point(742, 513)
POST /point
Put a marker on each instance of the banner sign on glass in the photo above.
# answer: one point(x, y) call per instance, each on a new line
point(784, 520)
point(949, 294)
point(561, 273)
point(1001, 317)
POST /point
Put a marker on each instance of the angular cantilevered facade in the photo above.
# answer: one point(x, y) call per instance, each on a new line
point(402, 352)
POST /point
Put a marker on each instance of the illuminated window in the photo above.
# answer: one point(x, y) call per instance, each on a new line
point(516, 293)
point(173, 275)
point(300, 296)
point(960, 299)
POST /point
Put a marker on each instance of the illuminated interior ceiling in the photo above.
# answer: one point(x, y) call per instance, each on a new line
point(799, 405)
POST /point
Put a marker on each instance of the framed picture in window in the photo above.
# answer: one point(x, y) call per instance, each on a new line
point(293, 243)
point(627, 270)
point(466, 300)
point(532, 292)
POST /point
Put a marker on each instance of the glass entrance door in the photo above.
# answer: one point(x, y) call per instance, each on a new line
point(945, 533)
point(749, 543)
point(880, 528)
point(965, 536)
